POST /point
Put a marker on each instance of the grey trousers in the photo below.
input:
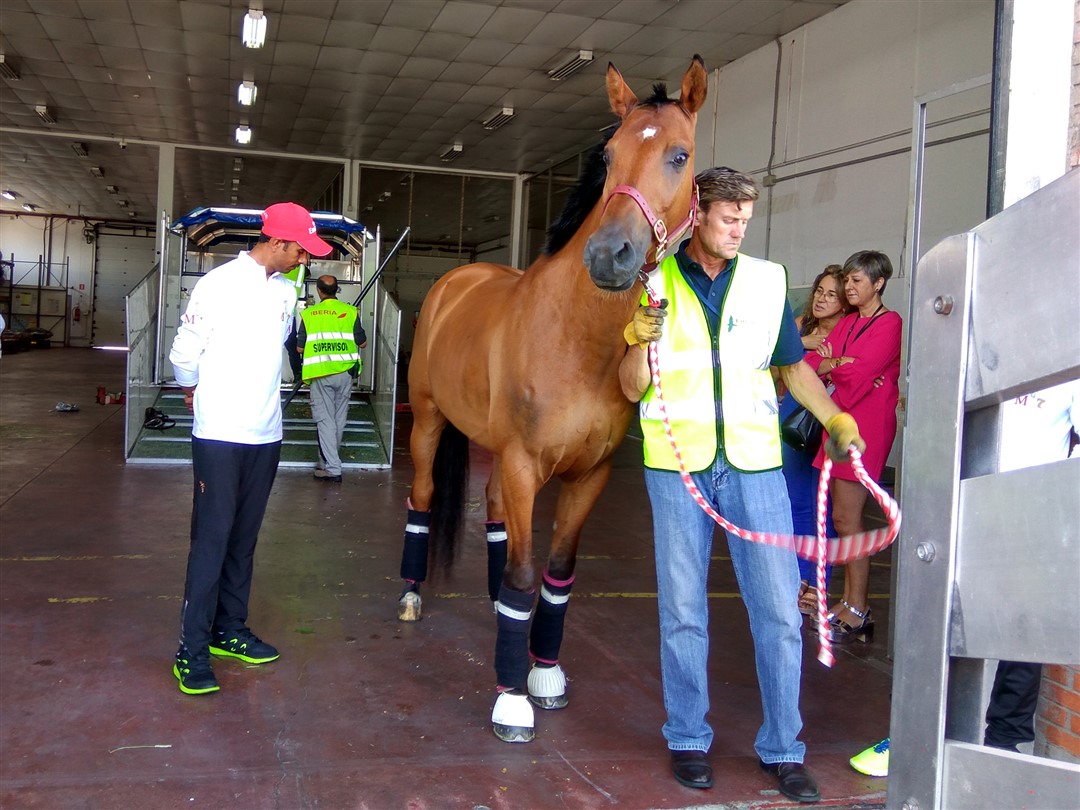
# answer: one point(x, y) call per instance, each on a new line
point(330, 409)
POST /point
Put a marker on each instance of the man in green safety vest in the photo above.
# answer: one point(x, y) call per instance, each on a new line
point(330, 339)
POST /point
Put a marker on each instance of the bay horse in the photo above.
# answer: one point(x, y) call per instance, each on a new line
point(525, 364)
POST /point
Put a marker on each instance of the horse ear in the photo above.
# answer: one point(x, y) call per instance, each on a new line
point(695, 85)
point(620, 96)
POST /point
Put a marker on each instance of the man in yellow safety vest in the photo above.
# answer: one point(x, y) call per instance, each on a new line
point(330, 339)
point(723, 322)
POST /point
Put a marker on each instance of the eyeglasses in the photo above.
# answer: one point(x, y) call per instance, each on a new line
point(828, 295)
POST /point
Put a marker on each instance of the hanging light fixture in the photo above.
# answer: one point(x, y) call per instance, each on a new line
point(254, 28)
point(7, 70)
point(80, 149)
point(451, 154)
point(498, 119)
point(243, 134)
point(247, 92)
point(570, 65)
point(8, 194)
point(29, 207)
point(43, 113)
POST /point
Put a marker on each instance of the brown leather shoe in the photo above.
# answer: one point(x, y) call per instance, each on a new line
point(691, 768)
point(794, 780)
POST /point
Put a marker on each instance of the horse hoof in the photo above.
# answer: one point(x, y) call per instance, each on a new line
point(512, 718)
point(409, 607)
point(547, 687)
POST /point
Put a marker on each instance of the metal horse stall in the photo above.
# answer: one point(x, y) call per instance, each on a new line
point(209, 237)
point(989, 561)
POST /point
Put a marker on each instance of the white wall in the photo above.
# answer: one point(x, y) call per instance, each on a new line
point(844, 110)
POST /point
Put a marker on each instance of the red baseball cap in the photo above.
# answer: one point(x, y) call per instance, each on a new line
point(293, 222)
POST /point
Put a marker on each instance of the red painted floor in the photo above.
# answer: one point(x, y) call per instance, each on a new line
point(361, 711)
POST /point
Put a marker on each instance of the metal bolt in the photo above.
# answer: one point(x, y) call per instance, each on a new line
point(943, 304)
point(925, 552)
point(910, 804)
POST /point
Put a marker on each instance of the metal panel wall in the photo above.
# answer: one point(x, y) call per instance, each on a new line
point(989, 563)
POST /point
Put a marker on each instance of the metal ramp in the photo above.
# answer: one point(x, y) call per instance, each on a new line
point(361, 447)
point(989, 561)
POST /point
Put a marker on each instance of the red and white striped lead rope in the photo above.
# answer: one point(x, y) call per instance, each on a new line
point(834, 550)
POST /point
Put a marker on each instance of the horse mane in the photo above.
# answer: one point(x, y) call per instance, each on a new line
point(591, 182)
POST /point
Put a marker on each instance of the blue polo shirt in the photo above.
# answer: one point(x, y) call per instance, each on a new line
point(788, 349)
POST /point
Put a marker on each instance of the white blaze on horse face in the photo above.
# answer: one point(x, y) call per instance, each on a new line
point(648, 132)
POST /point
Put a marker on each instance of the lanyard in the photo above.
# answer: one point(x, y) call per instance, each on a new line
point(858, 334)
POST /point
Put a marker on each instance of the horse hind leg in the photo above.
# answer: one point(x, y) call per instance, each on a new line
point(428, 424)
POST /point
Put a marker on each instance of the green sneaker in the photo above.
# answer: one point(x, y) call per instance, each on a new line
point(243, 644)
point(194, 673)
point(874, 761)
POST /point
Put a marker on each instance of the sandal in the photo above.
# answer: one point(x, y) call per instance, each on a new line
point(840, 632)
point(807, 599)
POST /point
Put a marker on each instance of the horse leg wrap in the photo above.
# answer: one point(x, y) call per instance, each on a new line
point(496, 544)
point(513, 610)
point(547, 629)
point(414, 555)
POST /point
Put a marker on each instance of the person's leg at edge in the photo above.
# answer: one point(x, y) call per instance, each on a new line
point(322, 411)
point(216, 472)
point(1010, 716)
point(768, 580)
point(683, 547)
point(257, 478)
point(342, 393)
point(849, 499)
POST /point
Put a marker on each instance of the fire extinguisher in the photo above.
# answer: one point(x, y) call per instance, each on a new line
point(77, 314)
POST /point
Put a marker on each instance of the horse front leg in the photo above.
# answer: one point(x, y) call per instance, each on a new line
point(512, 717)
point(547, 680)
point(496, 533)
point(428, 424)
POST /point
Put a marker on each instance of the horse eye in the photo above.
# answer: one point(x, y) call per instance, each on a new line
point(607, 158)
point(680, 159)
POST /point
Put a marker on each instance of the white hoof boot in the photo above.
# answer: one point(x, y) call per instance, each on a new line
point(547, 687)
point(512, 718)
point(409, 607)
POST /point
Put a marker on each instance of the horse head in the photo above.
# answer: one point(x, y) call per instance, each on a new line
point(649, 194)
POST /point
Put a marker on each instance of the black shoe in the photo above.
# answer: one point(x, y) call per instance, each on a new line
point(328, 477)
point(243, 644)
point(691, 768)
point(194, 673)
point(795, 781)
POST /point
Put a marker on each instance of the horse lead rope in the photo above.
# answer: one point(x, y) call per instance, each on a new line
point(806, 546)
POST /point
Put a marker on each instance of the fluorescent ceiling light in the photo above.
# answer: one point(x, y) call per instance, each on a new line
point(7, 71)
point(29, 207)
point(451, 154)
point(237, 164)
point(246, 93)
point(499, 118)
point(112, 189)
point(44, 114)
point(96, 171)
point(243, 134)
point(8, 194)
point(254, 28)
point(80, 149)
point(122, 203)
point(570, 65)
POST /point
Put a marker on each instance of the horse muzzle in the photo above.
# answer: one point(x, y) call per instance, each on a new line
point(613, 260)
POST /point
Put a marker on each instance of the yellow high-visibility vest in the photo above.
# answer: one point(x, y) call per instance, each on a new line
point(697, 370)
point(330, 347)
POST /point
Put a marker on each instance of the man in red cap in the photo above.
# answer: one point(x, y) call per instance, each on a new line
point(227, 360)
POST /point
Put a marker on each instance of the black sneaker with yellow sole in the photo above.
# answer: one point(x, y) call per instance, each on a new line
point(243, 644)
point(194, 673)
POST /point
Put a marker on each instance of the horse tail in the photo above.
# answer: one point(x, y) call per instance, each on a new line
point(450, 472)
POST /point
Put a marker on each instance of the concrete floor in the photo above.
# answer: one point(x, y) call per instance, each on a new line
point(361, 711)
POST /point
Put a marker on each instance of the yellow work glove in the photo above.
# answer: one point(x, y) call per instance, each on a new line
point(843, 433)
point(646, 326)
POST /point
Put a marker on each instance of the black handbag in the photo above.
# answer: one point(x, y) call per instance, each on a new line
point(801, 429)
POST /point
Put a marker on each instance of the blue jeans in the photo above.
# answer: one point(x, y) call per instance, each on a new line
point(768, 580)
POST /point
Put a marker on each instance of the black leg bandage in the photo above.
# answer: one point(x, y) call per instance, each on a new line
point(496, 543)
point(511, 645)
point(547, 629)
point(414, 555)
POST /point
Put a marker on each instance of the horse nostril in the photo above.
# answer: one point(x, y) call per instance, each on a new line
point(626, 256)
